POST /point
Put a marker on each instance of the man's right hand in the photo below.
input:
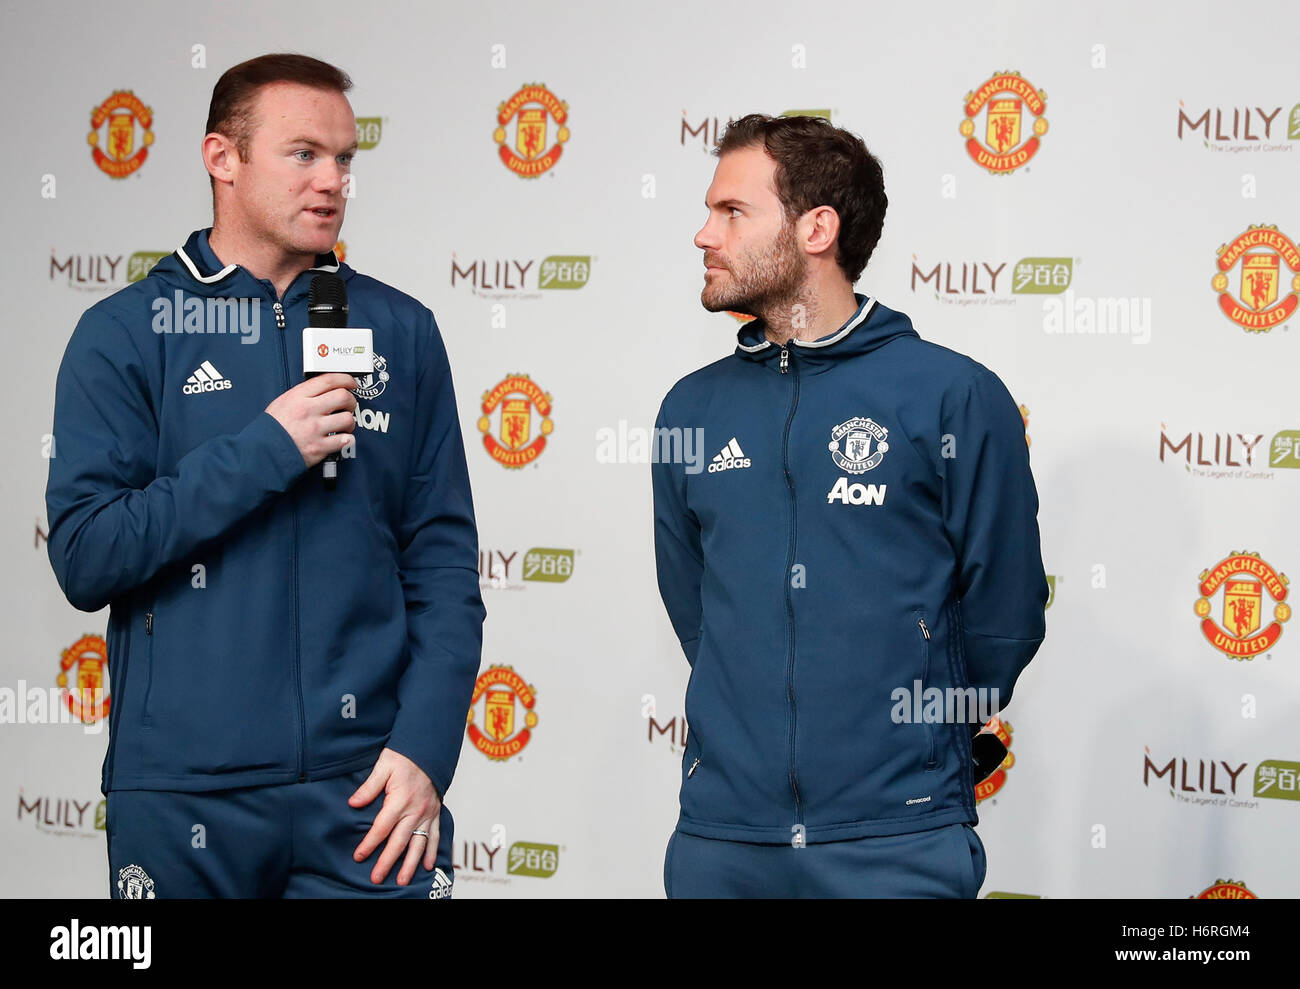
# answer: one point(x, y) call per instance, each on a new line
point(308, 414)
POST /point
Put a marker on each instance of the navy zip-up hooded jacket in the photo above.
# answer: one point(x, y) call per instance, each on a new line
point(867, 525)
point(262, 628)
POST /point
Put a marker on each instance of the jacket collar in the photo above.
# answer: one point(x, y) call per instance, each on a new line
point(871, 326)
point(198, 269)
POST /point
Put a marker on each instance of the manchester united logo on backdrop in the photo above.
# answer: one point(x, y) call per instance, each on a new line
point(112, 137)
point(89, 699)
point(851, 442)
point(1005, 98)
point(1225, 889)
point(994, 782)
point(503, 692)
point(1262, 252)
point(1244, 579)
point(514, 445)
point(530, 112)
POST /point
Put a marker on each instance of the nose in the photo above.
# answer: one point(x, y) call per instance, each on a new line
point(330, 176)
point(706, 238)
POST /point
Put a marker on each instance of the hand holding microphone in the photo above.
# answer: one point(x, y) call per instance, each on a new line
point(329, 345)
point(320, 413)
point(307, 411)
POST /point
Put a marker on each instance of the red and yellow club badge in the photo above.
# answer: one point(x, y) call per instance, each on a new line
point(514, 445)
point(89, 700)
point(1225, 889)
point(534, 106)
point(501, 737)
point(112, 137)
point(1004, 97)
point(1245, 579)
point(1262, 251)
point(994, 782)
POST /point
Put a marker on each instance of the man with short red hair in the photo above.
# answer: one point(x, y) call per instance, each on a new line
point(281, 654)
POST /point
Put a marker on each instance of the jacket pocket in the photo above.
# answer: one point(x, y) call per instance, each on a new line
point(146, 718)
point(923, 634)
point(119, 660)
point(692, 764)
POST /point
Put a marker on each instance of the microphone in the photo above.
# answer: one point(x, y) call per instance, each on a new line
point(987, 752)
point(329, 344)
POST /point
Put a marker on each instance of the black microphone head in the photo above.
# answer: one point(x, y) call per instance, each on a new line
point(327, 305)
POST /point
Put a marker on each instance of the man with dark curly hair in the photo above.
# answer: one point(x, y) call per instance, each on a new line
point(856, 579)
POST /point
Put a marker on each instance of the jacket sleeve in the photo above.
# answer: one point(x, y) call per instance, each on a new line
point(990, 510)
point(114, 523)
point(679, 559)
point(438, 543)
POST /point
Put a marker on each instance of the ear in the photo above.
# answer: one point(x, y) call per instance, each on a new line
point(819, 230)
point(220, 157)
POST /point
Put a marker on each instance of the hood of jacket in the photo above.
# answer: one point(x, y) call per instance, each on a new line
point(870, 327)
point(194, 268)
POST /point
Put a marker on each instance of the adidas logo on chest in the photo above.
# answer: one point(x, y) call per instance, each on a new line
point(206, 378)
point(732, 457)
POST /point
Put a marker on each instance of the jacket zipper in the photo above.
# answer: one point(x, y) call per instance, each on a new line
point(115, 710)
point(146, 720)
point(925, 675)
point(789, 566)
point(293, 510)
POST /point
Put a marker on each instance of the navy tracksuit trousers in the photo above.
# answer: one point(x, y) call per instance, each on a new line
point(946, 862)
point(289, 840)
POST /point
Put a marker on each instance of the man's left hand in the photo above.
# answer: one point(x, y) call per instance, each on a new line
point(410, 804)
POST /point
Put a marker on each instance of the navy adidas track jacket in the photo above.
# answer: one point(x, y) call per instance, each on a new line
point(263, 629)
point(868, 525)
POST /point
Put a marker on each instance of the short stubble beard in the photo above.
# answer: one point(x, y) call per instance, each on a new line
point(771, 286)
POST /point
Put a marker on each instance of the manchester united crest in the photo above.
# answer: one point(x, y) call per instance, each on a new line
point(852, 443)
point(503, 692)
point(1009, 139)
point(88, 701)
point(133, 883)
point(995, 780)
point(530, 113)
point(1245, 579)
point(114, 125)
point(1268, 260)
point(515, 444)
point(1226, 889)
point(372, 385)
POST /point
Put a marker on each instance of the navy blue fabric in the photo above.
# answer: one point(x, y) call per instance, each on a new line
point(802, 613)
point(264, 842)
point(946, 862)
point(324, 625)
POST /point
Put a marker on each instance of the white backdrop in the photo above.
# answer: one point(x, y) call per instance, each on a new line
point(1114, 195)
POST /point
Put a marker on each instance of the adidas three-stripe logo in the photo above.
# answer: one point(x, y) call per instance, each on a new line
point(206, 378)
point(440, 889)
point(732, 457)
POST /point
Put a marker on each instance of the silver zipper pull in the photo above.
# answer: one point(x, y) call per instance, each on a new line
point(691, 772)
point(785, 360)
point(279, 316)
point(148, 623)
point(924, 631)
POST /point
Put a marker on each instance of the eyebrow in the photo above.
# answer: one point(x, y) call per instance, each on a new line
point(728, 203)
point(312, 143)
